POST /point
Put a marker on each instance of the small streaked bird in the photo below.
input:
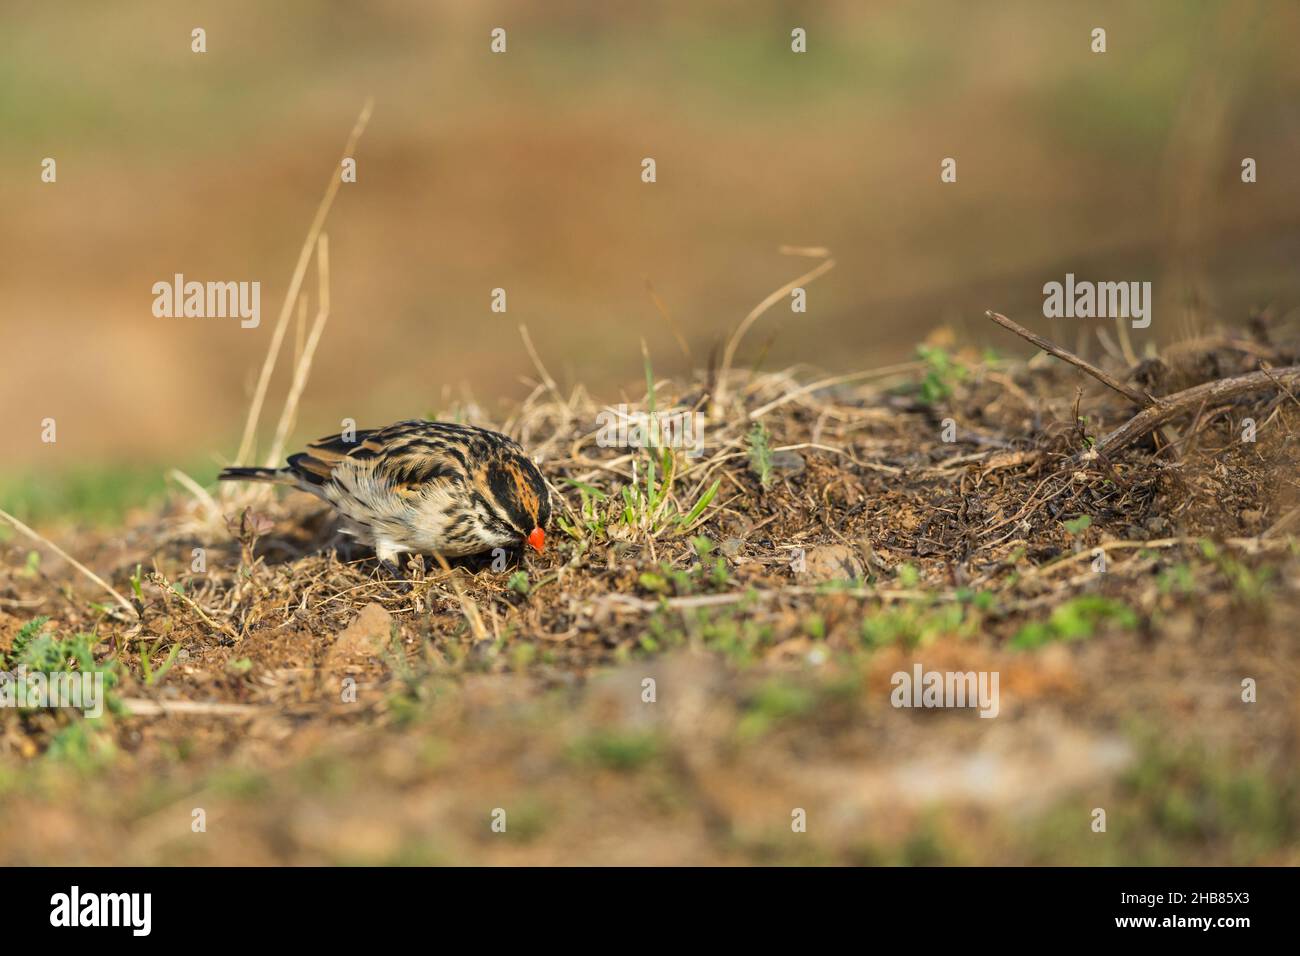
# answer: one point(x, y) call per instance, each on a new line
point(427, 487)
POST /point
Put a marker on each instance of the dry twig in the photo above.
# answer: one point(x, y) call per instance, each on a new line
point(295, 283)
point(1190, 399)
point(1132, 394)
point(130, 608)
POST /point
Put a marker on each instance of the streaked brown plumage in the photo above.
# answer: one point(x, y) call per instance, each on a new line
point(427, 487)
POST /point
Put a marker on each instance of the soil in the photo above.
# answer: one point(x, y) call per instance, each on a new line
point(717, 691)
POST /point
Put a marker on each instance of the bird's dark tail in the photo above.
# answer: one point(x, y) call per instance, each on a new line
point(279, 475)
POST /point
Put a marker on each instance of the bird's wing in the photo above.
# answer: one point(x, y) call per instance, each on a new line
point(413, 467)
point(316, 465)
point(406, 455)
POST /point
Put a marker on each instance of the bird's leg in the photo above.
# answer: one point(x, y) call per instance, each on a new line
point(396, 579)
point(388, 562)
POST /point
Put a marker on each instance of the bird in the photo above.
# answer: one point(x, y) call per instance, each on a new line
point(421, 486)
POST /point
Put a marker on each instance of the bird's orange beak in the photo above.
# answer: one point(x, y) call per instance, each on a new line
point(537, 539)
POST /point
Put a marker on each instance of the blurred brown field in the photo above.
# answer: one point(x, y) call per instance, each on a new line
point(522, 171)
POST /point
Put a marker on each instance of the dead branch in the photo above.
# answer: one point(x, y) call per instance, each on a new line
point(1140, 399)
point(1159, 411)
point(143, 707)
point(1189, 399)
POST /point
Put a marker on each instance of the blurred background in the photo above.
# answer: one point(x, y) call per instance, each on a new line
point(522, 171)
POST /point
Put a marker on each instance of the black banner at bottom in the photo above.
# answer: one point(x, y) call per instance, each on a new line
point(306, 905)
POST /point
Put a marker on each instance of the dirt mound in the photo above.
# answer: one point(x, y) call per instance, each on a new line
point(711, 645)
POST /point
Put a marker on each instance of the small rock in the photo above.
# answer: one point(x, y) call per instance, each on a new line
point(365, 637)
point(830, 562)
point(788, 463)
point(738, 526)
point(1157, 524)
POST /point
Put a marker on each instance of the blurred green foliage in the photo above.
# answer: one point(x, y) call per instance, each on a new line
point(100, 496)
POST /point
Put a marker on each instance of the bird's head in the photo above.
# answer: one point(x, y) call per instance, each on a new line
point(516, 501)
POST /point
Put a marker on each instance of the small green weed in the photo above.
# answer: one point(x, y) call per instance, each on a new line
point(1075, 620)
point(760, 454)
